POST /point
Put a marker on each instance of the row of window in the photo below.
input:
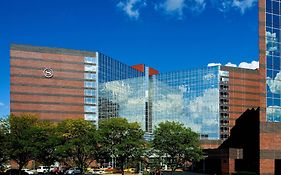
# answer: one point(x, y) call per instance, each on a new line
point(90, 106)
point(90, 84)
point(90, 109)
point(90, 100)
point(91, 117)
point(90, 68)
point(90, 60)
point(90, 76)
point(89, 92)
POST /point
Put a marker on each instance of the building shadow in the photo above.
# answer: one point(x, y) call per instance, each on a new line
point(239, 152)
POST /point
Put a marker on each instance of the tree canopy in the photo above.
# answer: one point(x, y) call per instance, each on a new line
point(23, 138)
point(79, 142)
point(177, 144)
point(4, 136)
point(121, 140)
point(46, 143)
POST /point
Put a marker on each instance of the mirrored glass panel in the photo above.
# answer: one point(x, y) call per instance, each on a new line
point(189, 97)
point(273, 63)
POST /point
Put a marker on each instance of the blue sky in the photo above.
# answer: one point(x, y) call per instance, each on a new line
point(165, 34)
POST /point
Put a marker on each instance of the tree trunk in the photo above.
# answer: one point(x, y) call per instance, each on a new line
point(173, 170)
point(20, 167)
point(122, 167)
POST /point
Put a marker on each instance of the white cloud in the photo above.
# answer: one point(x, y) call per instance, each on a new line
point(197, 5)
point(222, 5)
point(213, 64)
point(252, 65)
point(274, 85)
point(227, 5)
point(2, 104)
point(172, 6)
point(244, 5)
point(229, 64)
point(131, 7)
point(177, 6)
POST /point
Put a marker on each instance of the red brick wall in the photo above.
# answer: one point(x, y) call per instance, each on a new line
point(243, 88)
point(56, 98)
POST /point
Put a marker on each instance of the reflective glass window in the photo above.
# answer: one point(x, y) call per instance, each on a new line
point(90, 68)
point(90, 108)
point(89, 92)
point(90, 100)
point(90, 76)
point(273, 74)
point(89, 60)
point(89, 84)
point(91, 117)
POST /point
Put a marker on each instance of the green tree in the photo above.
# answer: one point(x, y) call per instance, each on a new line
point(177, 144)
point(121, 140)
point(4, 135)
point(79, 142)
point(46, 142)
point(23, 138)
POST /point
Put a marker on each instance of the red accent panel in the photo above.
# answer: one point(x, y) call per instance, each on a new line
point(139, 67)
point(153, 71)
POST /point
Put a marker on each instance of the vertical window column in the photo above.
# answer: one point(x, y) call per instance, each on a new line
point(224, 105)
point(90, 89)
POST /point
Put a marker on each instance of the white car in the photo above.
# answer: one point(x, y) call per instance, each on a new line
point(43, 169)
point(73, 171)
point(98, 171)
point(28, 171)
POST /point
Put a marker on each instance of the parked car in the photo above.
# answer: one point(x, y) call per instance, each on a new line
point(55, 170)
point(98, 171)
point(28, 171)
point(73, 171)
point(130, 170)
point(15, 172)
point(43, 169)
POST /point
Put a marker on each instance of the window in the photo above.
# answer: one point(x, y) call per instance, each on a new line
point(90, 68)
point(90, 76)
point(90, 100)
point(224, 79)
point(89, 84)
point(89, 92)
point(91, 117)
point(89, 60)
point(90, 108)
point(224, 73)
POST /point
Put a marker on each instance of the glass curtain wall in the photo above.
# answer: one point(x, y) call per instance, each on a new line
point(121, 91)
point(190, 97)
point(273, 80)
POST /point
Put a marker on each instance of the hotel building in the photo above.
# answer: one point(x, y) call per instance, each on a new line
point(58, 84)
point(236, 111)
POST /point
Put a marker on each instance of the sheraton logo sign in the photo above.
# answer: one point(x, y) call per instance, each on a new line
point(48, 72)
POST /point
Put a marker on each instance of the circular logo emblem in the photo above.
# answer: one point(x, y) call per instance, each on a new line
point(48, 72)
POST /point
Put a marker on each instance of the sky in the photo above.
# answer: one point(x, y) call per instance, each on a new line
point(167, 35)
